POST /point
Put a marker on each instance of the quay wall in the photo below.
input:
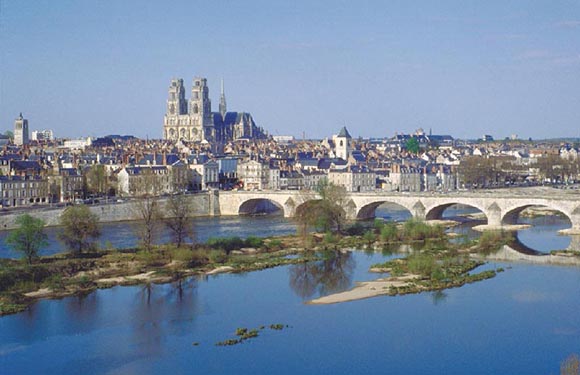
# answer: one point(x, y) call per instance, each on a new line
point(203, 204)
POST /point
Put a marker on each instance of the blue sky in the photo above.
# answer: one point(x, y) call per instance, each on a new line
point(463, 68)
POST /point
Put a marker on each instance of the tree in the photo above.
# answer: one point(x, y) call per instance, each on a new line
point(325, 214)
point(96, 180)
point(29, 237)
point(147, 208)
point(178, 209)
point(80, 228)
point(412, 145)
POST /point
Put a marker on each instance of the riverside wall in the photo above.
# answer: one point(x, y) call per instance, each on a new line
point(203, 204)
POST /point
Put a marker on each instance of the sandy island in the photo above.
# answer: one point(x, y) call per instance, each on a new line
point(367, 289)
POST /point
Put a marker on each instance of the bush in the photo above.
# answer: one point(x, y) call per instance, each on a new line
point(369, 237)
point(255, 242)
point(218, 256)
point(355, 230)
point(416, 230)
point(389, 232)
point(423, 264)
point(226, 244)
point(491, 241)
point(274, 244)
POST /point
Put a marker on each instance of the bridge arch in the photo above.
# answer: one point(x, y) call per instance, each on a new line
point(368, 211)
point(260, 205)
point(436, 212)
point(512, 215)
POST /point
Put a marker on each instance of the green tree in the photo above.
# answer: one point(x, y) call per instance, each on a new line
point(29, 237)
point(80, 228)
point(412, 145)
point(96, 180)
point(325, 214)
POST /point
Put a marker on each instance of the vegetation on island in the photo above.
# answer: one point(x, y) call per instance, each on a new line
point(80, 229)
point(28, 237)
point(242, 334)
point(317, 252)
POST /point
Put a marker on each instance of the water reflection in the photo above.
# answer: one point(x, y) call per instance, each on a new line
point(438, 297)
point(320, 278)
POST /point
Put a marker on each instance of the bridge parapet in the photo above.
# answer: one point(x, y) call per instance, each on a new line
point(499, 208)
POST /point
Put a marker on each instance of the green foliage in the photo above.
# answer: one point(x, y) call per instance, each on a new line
point(217, 256)
point(369, 237)
point(389, 232)
point(412, 145)
point(330, 240)
point(228, 244)
point(28, 238)
point(325, 214)
point(422, 264)
point(254, 242)
point(416, 230)
point(356, 230)
point(492, 241)
point(274, 244)
point(80, 229)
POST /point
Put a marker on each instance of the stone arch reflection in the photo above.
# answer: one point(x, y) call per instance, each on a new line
point(544, 226)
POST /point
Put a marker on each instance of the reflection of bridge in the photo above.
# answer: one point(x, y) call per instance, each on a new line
point(501, 207)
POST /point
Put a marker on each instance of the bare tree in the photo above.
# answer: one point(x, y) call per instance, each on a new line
point(147, 207)
point(179, 209)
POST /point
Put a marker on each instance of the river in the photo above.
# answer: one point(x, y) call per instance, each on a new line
point(525, 320)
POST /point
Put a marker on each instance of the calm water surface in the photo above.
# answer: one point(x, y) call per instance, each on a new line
point(526, 320)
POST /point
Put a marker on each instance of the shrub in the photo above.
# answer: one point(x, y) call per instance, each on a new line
point(218, 256)
point(389, 232)
point(355, 230)
point(255, 242)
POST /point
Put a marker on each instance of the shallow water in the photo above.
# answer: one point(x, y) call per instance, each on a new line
point(525, 320)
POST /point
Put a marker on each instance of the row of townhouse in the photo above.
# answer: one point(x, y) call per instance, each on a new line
point(19, 191)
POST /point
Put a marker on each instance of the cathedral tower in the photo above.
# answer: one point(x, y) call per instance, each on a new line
point(176, 119)
point(200, 111)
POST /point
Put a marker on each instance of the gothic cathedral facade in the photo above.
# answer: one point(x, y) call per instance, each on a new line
point(194, 121)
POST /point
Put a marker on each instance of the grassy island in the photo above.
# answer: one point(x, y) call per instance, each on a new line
point(432, 262)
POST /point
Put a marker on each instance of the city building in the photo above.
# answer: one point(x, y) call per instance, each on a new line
point(42, 135)
point(20, 131)
point(194, 120)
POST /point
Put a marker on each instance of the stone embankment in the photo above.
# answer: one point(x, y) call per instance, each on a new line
point(201, 203)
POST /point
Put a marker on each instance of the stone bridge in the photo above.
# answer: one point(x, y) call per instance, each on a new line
point(501, 206)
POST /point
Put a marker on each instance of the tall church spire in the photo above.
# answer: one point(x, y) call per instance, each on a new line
point(223, 108)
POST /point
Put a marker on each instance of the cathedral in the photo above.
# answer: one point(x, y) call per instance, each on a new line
point(193, 120)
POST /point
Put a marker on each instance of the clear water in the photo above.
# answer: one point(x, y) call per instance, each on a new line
point(524, 321)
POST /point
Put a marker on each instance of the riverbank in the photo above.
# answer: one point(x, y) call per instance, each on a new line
point(65, 275)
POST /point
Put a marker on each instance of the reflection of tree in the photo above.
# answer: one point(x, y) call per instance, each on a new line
point(159, 311)
point(331, 275)
point(438, 297)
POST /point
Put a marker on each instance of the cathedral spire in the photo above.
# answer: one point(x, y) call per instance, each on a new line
point(223, 108)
